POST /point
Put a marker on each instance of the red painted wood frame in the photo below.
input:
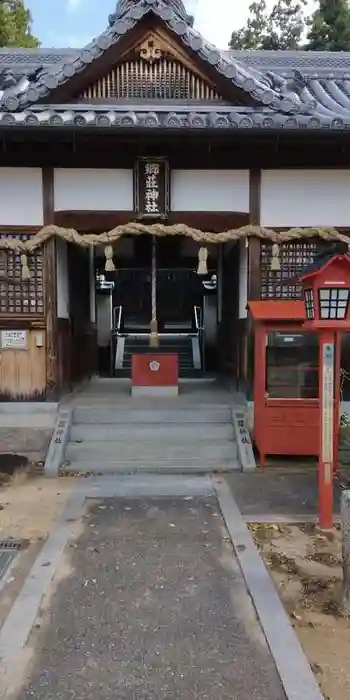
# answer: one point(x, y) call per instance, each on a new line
point(289, 427)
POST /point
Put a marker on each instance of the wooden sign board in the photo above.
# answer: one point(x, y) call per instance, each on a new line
point(151, 182)
point(14, 340)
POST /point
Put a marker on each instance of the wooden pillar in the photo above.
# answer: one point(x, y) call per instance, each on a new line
point(254, 274)
point(50, 287)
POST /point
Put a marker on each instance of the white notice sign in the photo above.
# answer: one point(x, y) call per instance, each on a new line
point(327, 402)
point(14, 340)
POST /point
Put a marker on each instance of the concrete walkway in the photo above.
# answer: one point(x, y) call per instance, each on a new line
point(151, 605)
point(151, 588)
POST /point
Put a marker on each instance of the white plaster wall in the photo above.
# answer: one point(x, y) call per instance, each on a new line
point(62, 279)
point(305, 198)
point(243, 279)
point(210, 190)
point(79, 189)
point(21, 197)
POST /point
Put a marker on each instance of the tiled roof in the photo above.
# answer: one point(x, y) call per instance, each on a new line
point(290, 89)
point(325, 63)
point(179, 117)
point(255, 84)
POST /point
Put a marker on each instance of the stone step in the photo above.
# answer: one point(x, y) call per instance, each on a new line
point(149, 451)
point(181, 352)
point(182, 360)
point(177, 349)
point(182, 355)
point(186, 357)
point(153, 467)
point(171, 342)
point(151, 432)
point(126, 415)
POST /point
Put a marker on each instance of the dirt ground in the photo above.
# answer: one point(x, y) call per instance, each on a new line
point(29, 505)
point(305, 565)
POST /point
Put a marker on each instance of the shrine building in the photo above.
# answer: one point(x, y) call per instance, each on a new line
point(156, 188)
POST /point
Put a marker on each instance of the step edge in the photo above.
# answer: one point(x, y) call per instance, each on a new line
point(139, 443)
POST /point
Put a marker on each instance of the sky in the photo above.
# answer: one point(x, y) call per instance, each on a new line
point(75, 22)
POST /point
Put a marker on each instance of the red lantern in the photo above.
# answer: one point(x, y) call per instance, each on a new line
point(326, 288)
point(326, 294)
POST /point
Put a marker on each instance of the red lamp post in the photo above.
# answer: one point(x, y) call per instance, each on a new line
point(326, 291)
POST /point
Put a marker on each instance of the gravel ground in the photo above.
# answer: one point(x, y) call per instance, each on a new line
point(279, 491)
point(150, 605)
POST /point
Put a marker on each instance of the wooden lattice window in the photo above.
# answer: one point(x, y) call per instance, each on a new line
point(164, 79)
point(294, 257)
point(22, 297)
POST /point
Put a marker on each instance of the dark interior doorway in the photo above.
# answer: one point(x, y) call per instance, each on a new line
point(179, 290)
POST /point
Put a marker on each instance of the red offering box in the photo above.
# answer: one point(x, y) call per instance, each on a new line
point(155, 370)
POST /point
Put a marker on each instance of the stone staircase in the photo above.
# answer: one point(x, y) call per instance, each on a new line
point(190, 439)
point(182, 347)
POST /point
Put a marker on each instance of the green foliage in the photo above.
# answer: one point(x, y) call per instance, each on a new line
point(15, 25)
point(252, 36)
point(282, 28)
point(286, 25)
point(330, 27)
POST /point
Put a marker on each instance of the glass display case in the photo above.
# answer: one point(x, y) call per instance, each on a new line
point(291, 365)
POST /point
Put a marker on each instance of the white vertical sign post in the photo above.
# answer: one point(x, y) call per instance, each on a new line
point(326, 457)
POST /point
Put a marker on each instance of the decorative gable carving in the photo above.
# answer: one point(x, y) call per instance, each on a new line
point(153, 69)
point(151, 49)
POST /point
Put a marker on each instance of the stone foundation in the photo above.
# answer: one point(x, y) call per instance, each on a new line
point(26, 430)
point(32, 443)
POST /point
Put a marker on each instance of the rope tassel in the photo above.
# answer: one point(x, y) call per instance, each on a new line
point(154, 337)
point(202, 261)
point(25, 267)
point(275, 263)
point(109, 264)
